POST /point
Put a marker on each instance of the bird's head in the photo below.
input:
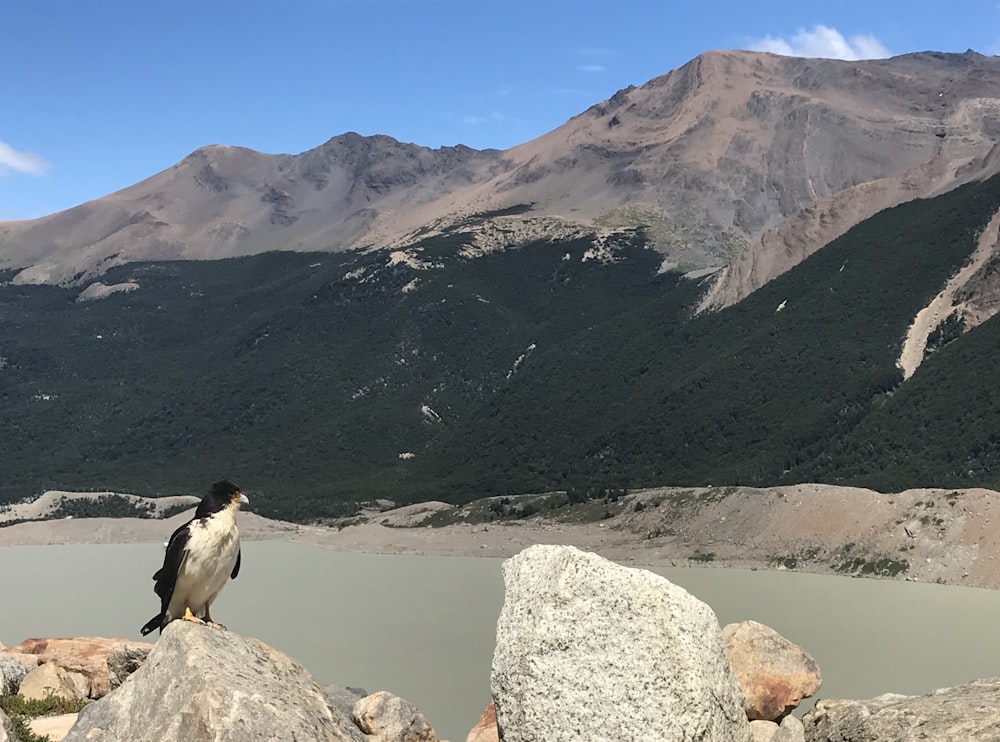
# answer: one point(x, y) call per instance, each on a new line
point(223, 495)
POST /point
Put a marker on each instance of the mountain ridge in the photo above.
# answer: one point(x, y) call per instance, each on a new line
point(712, 160)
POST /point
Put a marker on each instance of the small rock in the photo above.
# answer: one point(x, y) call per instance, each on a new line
point(344, 697)
point(763, 731)
point(52, 680)
point(53, 727)
point(388, 718)
point(11, 673)
point(124, 660)
point(966, 712)
point(774, 674)
point(7, 731)
point(790, 730)
point(27, 661)
point(87, 656)
point(485, 729)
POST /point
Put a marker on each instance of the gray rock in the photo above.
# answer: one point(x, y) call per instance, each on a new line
point(589, 650)
point(200, 684)
point(7, 731)
point(774, 674)
point(388, 718)
point(54, 727)
point(52, 680)
point(11, 674)
point(763, 730)
point(86, 655)
point(790, 730)
point(970, 713)
point(343, 697)
point(125, 660)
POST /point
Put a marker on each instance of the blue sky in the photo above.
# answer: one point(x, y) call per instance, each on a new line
point(98, 94)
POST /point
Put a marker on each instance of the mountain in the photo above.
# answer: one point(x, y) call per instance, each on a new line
point(321, 379)
point(739, 159)
point(392, 321)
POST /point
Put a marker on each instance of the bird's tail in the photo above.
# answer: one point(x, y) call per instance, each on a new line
point(156, 622)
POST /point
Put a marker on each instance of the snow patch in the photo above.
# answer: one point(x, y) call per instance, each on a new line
point(430, 414)
point(98, 290)
point(520, 359)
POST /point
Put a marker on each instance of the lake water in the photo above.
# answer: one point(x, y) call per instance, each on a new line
point(423, 627)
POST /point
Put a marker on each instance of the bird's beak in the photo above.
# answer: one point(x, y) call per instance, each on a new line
point(240, 499)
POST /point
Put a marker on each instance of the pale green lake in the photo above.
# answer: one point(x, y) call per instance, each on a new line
point(423, 627)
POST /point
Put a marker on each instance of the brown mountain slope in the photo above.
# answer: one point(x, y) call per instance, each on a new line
point(711, 158)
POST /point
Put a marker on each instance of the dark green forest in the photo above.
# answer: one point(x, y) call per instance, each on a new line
point(305, 376)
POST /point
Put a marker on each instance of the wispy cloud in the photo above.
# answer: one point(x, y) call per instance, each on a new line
point(590, 67)
point(12, 161)
point(476, 120)
point(823, 41)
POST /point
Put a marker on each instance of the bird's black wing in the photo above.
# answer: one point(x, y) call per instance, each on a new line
point(166, 576)
point(236, 567)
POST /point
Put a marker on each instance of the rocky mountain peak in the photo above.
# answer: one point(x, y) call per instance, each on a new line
point(712, 160)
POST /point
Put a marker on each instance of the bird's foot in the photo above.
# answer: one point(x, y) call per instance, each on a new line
point(189, 616)
point(216, 625)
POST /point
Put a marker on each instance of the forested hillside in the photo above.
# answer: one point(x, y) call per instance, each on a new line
point(317, 380)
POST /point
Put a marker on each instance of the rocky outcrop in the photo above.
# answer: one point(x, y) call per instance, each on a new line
point(199, 685)
point(587, 649)
point(969, 712)
point(774, 674)
point(90, 657)
point(388, 718)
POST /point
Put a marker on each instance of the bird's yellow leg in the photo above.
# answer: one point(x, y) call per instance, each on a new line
point(189, 616)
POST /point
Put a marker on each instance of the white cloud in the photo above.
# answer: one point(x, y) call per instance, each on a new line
point(474, 120)
point(12, 161)
point(590, 67)
point(823, 41)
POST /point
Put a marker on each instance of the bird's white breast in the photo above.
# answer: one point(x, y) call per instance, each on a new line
point(209, 558)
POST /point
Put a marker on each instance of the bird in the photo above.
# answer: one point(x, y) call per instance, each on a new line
point(201, 555)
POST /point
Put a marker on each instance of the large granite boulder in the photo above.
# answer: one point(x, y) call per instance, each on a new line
point(590, 650)
point(88, 656)
point(969, 712)
point(774, 674)
point(388, 718)
point(200, 684)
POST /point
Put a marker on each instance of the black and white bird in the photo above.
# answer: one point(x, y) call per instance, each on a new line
point(201, 555)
